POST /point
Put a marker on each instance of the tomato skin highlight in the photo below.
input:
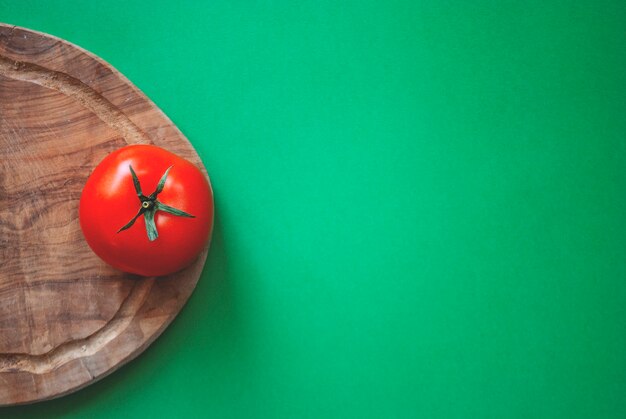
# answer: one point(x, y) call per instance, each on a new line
point(109, 201)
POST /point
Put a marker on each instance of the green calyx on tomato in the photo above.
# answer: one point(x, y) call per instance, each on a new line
point(150, 205)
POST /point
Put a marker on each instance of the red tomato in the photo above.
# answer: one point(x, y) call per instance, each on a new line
point(181, 208)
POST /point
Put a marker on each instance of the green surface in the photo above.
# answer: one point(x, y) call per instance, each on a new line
point(420, 206)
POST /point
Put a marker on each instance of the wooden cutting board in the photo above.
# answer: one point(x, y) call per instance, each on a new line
point(66, 318)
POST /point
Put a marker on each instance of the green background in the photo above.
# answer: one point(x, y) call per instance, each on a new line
point(420, 206)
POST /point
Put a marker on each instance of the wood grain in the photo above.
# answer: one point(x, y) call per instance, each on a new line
point(66, 318)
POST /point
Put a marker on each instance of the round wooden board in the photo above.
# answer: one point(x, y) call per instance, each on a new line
point(66, 318)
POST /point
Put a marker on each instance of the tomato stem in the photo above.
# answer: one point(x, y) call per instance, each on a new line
point(150, 205)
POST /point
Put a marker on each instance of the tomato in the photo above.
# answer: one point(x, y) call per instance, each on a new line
point(146, 211)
